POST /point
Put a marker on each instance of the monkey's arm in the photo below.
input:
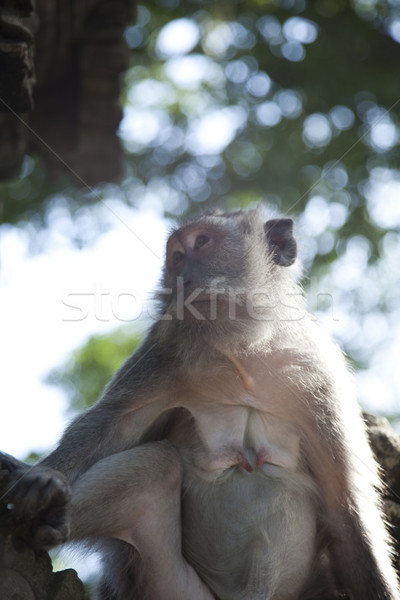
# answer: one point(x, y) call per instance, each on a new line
point(133, 400)
point(339, 456)
point(131, 403)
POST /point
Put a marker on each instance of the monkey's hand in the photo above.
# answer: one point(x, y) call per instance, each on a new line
point(36, 495)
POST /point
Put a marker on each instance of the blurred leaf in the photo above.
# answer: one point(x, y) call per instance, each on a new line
point(33, 458)
point(92, 366)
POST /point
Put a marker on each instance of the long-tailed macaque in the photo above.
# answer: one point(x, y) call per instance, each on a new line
point(227, 459)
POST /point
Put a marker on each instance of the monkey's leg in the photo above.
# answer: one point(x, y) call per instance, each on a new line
point(135, 496)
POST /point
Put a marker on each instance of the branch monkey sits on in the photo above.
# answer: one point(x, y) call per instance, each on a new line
point(227, 458)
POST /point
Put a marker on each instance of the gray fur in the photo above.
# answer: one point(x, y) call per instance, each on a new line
point(263, 441)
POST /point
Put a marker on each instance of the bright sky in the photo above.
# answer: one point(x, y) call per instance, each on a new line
point(51, 302)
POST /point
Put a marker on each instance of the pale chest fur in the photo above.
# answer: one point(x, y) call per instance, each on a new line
point(244, 474)
point(245, 416)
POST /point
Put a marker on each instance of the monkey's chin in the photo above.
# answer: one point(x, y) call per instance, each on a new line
point(208, 313)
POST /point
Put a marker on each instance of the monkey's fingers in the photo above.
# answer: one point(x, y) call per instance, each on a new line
point(51, 527)
point(36, 490)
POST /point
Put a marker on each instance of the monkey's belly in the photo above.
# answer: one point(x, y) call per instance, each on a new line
point(250, 535)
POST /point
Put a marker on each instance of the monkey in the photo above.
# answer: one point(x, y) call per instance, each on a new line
point(227, 458)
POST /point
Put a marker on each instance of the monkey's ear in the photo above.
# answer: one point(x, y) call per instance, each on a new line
point(281, 242)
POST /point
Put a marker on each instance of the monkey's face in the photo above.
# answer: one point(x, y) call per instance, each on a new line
point(204, 273)
point(223, 272)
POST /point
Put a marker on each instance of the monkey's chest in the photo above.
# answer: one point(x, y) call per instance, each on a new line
point(223, 439)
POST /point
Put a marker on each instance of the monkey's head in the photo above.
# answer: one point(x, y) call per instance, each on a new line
point(226, 276)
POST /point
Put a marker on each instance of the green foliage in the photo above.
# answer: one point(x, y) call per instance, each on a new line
point(308, 88)
point(310, 85)
point(92, 366)
point(33, 458)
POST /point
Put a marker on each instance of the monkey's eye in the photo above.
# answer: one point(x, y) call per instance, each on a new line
point(177, 257)
point(201, 240)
